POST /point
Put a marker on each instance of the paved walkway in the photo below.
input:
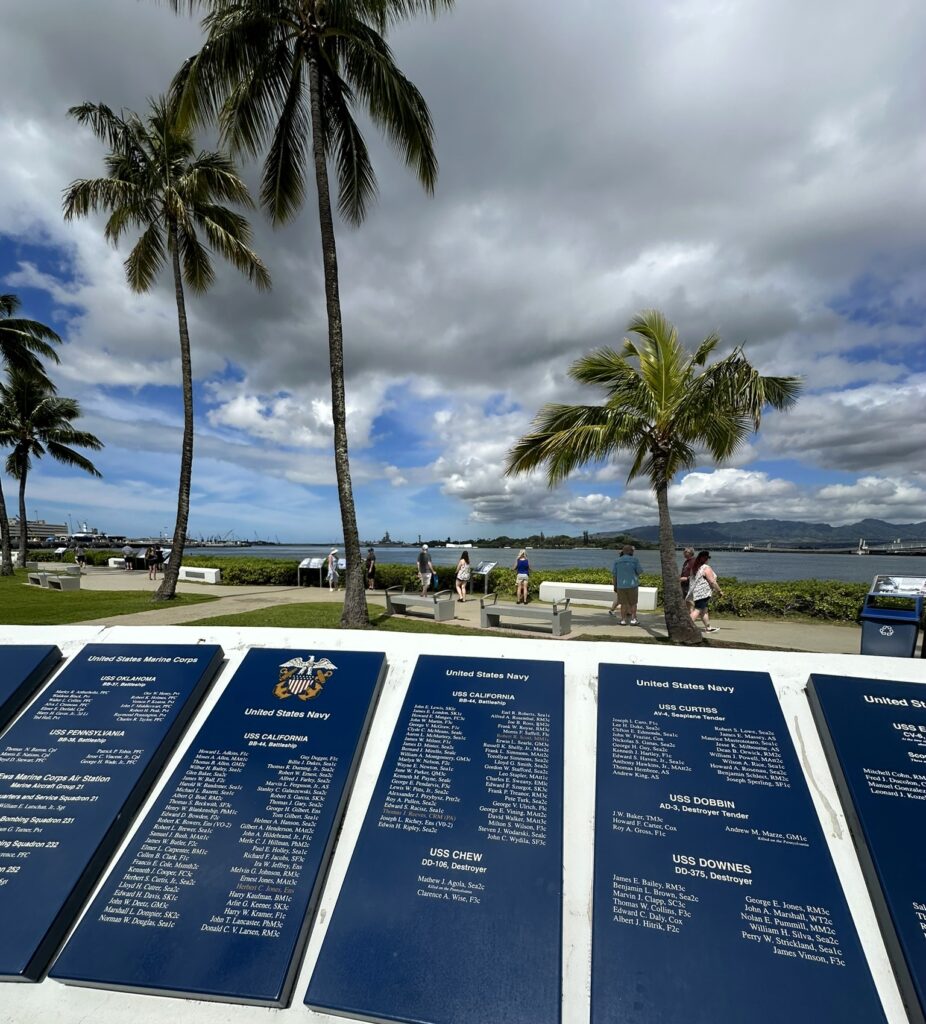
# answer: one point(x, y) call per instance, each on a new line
point(586, 620)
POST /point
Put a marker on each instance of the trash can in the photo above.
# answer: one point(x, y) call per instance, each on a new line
point(891, 617)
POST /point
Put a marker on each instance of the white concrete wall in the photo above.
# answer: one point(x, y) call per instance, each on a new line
point(50, 1001)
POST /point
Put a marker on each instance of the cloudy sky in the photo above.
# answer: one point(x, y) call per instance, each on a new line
point(754, 167)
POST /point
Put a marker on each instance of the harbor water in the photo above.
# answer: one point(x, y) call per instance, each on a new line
point(745, 565)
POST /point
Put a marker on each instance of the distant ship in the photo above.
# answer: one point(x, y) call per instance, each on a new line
point(458, 545)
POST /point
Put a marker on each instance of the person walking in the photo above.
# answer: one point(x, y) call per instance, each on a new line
point(333, 578)
point(684, 578)
point(523, 568)
point(703, 585)
point(158, 560)
point(464, 572)
point(425, 569)
point(626, 574)
point(369, 567)
point(80, 557)
point(151, 560)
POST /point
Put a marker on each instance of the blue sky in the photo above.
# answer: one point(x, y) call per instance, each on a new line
point(754, 169)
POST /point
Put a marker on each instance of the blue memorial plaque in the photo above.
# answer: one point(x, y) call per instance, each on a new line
point(874, 734)
point(214, 896)
point(715, 897)
point(451, 909)
point(73, 770)
point(22, 670)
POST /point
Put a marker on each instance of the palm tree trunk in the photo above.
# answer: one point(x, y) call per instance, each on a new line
point(678, 620)
point(168, 586)
point(23, 531)
point(6, 558)
point(354, 615)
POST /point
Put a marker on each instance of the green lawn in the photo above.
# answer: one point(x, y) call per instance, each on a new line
point(327, 615)
point(24, 605)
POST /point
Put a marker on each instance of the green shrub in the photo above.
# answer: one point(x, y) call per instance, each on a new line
point(95, 556)
point(830, 600)
point(250, 572)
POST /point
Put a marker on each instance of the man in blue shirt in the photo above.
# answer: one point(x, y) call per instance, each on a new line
point(626, 572)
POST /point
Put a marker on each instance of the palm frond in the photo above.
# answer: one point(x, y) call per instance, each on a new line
point(24, 342)
point(195, 261)
point(146, 260)
point(258, 97)
point(214, 177)
point(282, 190)
point(229, 235)
point(68, 457)
point(564, 437)
point(394, 103)
point(105, 124)
point(92, 195)
point(705, 349)
point(356, 177)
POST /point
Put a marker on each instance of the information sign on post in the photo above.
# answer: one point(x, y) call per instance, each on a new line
point(308, 564)
point(874, 734)
point(715, 897)
point(24, 669)
point(451, 910)
point(483, 569)
point(73, 770)
point(214, 896)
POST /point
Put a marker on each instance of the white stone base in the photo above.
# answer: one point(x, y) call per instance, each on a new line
point(594, 593)
point(197, 575)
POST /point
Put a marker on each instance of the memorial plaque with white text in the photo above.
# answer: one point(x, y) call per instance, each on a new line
point(451, 909)
point(73, 770)
point(214, 896)
point(715, 897)
point(874, 734)
point(23, 668)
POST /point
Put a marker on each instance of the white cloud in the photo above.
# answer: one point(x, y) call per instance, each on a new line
point(877, 427)
point(743, 175)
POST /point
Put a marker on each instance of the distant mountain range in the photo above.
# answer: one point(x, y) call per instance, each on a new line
point(783, 532)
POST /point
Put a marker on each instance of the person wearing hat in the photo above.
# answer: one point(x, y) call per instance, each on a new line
point(425, 569)
point(333, 578)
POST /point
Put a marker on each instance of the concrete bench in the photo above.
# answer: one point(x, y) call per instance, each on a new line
point(558, 614)
point(38, 579)
point(64, 582)
point(198, 575)
point(442, 604)
point(594, 593)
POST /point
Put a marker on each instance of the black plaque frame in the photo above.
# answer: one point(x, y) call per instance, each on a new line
point(873, 877)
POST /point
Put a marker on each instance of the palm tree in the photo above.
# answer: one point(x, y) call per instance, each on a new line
point(662, 404)
point(21, 343)
point(34, 422)
point(288, 76)
point(157, 183)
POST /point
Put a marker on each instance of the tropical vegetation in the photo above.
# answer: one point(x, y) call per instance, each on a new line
point(664, 407)
point(158, 184)
point(811, 599)
point(35, 421)
point(22, 343)
point(287, 78)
